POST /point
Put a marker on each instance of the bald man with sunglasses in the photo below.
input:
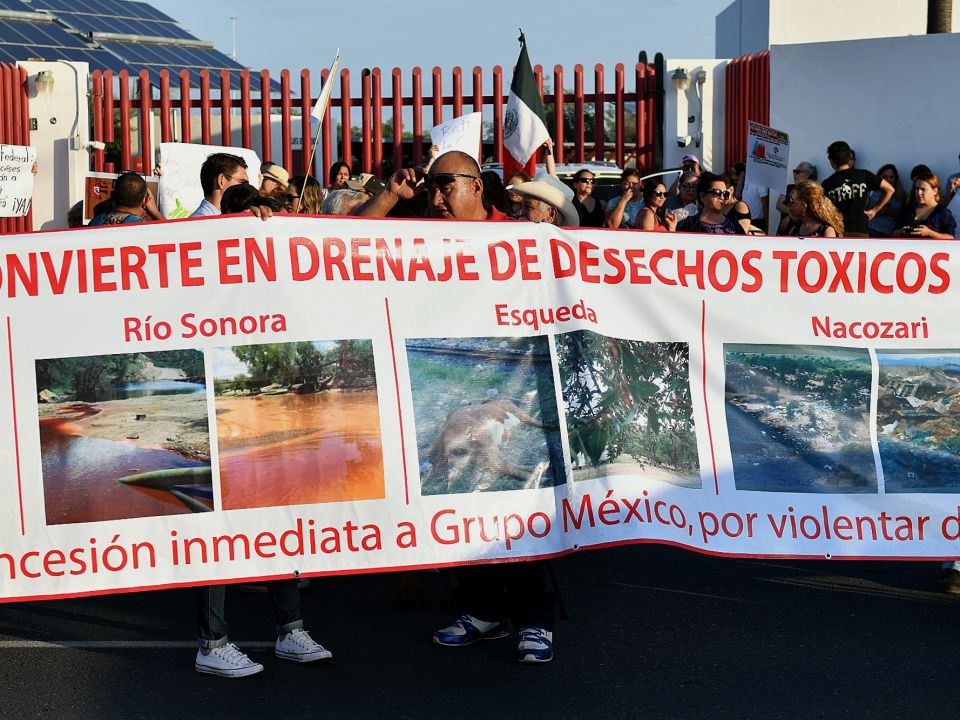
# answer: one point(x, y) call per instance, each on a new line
point(454, 190)
point(487, 593)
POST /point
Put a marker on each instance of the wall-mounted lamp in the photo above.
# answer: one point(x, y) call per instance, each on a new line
point(680, 80)
point(45, 82)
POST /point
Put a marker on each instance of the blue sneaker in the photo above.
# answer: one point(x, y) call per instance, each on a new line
point(536, 645)
point(467, 630)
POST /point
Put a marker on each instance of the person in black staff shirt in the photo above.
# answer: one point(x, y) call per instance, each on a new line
point(849, 189)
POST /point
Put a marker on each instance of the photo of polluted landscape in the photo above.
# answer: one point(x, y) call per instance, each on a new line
point(124, 436)
point(628, 408)
point(485, 412)
point(297, 423)
point(918, 420)
point(798, 418)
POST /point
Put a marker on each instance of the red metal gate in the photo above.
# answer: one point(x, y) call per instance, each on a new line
point(381, 144)
point(14, 128)
point(747, 98)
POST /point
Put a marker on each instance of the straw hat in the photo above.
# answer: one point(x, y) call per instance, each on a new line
point(554, 192)
point(275, 172)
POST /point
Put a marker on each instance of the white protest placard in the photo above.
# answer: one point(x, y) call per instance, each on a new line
point(180, 192)
point(16, 179)
point(461, 133)
point(768, 156)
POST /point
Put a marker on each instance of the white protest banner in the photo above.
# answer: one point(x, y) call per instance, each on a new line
point(461, 133)
point(226, 398)
point(16, 179)
point(180, 192)
point(768, 156)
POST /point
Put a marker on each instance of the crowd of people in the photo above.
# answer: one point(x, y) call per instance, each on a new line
point(850, 202)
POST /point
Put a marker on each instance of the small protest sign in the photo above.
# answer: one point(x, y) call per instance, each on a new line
point(16, 179)
point(768, 156)
point(180, 192)
point(461, 133)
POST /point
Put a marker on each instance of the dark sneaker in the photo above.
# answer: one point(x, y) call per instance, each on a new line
point(467, 630)
point(536, 645)
point(298, 646)
point(949, 582)
point(226, 661)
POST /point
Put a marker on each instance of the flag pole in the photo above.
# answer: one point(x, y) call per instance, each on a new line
point(319, 111)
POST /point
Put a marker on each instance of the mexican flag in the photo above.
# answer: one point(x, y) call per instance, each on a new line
point(525, 125)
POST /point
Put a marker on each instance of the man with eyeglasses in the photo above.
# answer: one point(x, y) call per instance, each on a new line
point(218, 172)
point(686, 193)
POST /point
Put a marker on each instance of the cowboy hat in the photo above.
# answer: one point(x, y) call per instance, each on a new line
point(552, 191)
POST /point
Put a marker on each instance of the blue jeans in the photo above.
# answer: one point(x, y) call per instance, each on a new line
point(212, 621)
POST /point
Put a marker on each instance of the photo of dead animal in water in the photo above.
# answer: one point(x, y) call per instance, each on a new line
point(485, 413)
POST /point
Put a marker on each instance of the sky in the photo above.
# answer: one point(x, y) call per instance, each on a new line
point(299, 34)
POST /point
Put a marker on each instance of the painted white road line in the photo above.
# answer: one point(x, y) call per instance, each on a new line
point(121, 644)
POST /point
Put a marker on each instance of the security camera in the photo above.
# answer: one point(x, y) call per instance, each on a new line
point(95, 145)
point(683, 140)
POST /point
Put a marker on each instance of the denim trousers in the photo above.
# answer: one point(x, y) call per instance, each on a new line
point(212, 620)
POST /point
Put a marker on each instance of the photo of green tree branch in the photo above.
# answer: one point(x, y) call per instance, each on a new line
point(628, 408)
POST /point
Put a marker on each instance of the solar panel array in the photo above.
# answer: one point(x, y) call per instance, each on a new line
point(89, 31)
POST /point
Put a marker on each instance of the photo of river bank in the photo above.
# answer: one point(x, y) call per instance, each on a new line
point(106, 420)
point(297, 423)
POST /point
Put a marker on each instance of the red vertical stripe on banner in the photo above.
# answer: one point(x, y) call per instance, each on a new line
point(706, 405)
point(396, 384)
point(16, 434)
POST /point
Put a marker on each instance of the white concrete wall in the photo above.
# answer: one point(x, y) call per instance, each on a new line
point(742, 28)
point(680, 107)
point(749, 26)
point(60, 138)
point(888, 98)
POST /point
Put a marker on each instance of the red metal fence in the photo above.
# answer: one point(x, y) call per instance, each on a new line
point(748, 98)
point(14, 128)
point(228, 115)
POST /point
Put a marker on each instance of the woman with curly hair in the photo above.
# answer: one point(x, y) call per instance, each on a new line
point(811, 212)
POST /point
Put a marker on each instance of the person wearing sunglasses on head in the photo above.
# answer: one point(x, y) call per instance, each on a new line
point(654, 198)
point(590, 209)
point(713, 195)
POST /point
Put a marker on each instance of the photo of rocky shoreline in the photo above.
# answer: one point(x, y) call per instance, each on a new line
point(798, 418)
point(124, 436)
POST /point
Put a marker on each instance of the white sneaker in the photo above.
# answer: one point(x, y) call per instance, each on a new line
point(226, 661)
point(297, 645)
point(467, 630)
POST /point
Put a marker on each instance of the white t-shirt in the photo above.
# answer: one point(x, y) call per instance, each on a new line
point(753, 196)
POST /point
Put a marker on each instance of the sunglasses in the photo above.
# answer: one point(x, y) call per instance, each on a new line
point(659, 193)
point(689, 186)
point(443, 181)
point(719, 193)
point(587, 181)
point(797, 172)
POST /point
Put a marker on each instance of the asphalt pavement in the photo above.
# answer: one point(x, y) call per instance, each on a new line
point(653, 632)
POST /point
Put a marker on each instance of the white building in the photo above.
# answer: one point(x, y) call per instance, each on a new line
point(749, 26)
